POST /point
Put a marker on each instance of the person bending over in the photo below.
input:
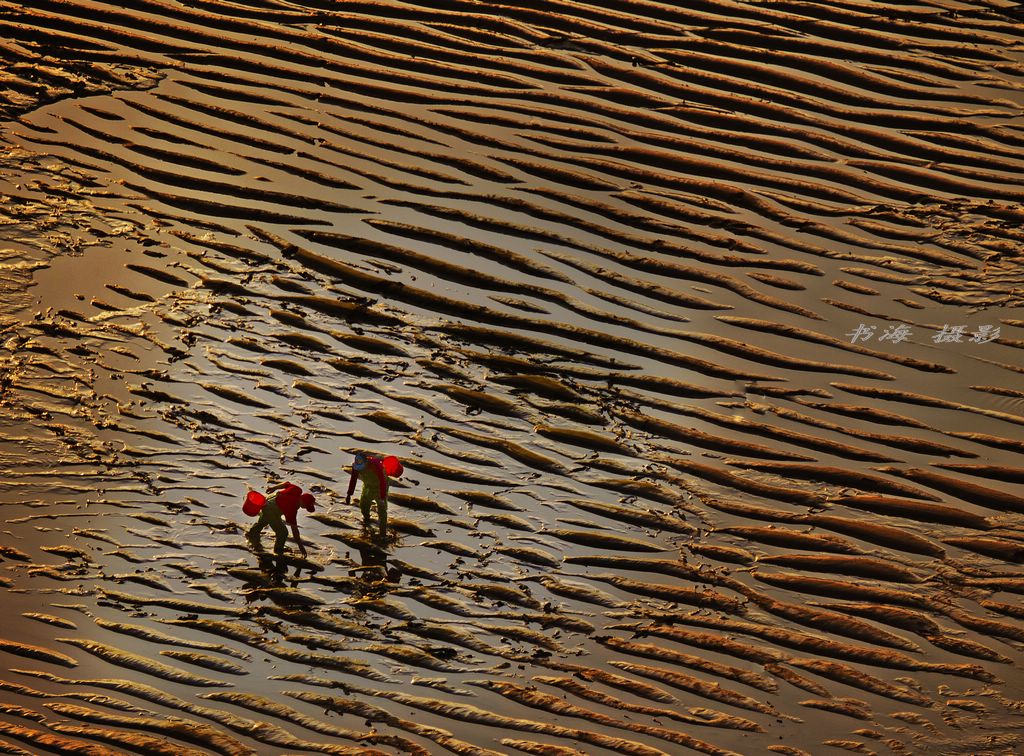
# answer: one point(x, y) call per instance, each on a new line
point(280, 508)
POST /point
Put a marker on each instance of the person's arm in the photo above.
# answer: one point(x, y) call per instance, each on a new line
point(351, 487)
point(298, 538)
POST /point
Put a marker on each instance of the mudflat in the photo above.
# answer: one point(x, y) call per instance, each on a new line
point(697, 329)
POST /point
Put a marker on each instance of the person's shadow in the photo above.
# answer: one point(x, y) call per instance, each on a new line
point(373, 561)
point(373, 569)
point(274, 567)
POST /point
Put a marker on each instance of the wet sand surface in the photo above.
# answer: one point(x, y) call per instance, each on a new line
point(591, 270)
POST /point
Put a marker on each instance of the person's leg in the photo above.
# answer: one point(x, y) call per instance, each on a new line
point(364, 504)
point(382, 516)
point(253, 534)
point(280, 534)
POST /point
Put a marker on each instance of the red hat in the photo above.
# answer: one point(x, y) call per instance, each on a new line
point(308, 501)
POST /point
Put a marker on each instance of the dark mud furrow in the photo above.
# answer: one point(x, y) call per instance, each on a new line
point(794, 64)
point(672, 157)
point(111, 21)
point(715, 106)
point(420, 297)
point(460, 274)
point(738, 423)
point(727, 89)
point(556, 202)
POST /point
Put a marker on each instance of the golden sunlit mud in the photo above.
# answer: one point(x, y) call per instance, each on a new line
point(695, 327)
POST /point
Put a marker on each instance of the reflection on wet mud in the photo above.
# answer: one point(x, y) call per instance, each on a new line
point(590, 271)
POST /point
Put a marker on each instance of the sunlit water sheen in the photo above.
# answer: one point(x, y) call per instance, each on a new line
point(591, 271)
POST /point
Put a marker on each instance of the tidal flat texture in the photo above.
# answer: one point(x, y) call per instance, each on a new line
point(696, 326)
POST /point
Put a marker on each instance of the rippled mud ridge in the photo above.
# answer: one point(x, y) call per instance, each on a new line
point(697, 328)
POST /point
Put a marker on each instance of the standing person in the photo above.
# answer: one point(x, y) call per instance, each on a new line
point(279, 508)
point(370, 470)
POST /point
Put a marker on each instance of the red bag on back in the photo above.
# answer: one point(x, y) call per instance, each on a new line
point(393, 467)
point(254, 502)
